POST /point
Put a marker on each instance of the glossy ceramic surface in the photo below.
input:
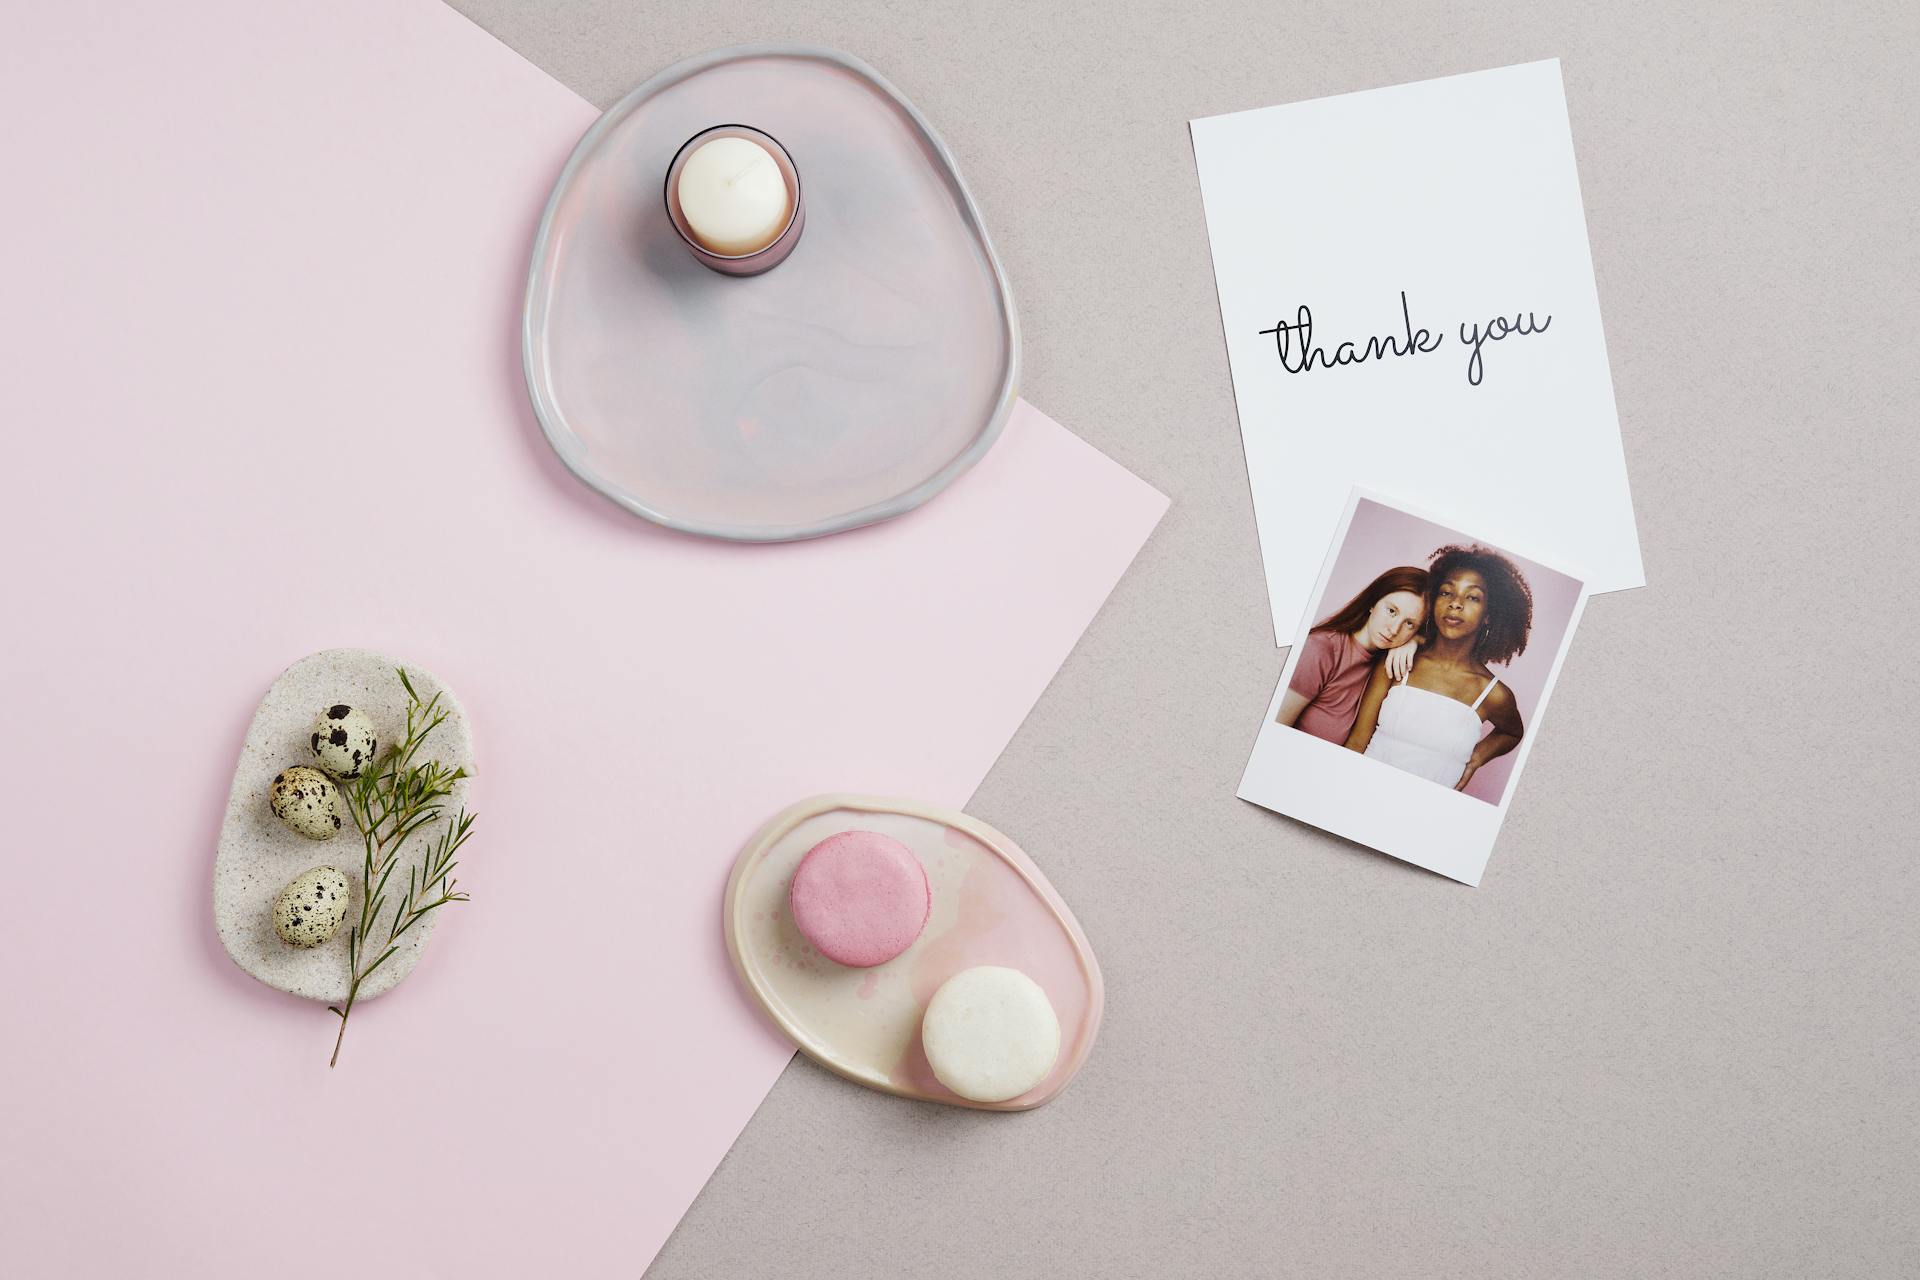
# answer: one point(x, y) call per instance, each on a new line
point(848, 385)
point(991, 905)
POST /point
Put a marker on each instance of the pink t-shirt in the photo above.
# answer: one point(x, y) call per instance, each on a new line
point(1331, 675)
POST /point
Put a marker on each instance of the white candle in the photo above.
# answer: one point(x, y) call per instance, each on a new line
point(733, 196)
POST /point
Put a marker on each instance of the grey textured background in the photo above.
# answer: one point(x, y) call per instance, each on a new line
point(1674, 1033)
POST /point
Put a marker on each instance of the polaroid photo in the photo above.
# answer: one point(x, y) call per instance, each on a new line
point(1415, 687)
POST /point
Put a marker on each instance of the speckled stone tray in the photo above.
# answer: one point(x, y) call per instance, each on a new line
point(258, 856)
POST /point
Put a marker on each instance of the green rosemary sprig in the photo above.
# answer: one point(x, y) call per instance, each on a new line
point(390, 802)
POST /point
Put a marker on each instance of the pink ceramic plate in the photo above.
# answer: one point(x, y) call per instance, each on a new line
point(991, 905)
point(847, 385)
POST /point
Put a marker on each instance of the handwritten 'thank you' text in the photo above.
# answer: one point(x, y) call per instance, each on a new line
point(1300, 354)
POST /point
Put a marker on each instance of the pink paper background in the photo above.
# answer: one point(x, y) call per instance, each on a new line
point(264, 265)
point(1381, 537)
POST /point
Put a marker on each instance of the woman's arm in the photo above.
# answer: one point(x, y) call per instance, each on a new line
point(1503, 714)
point(1369, 717)
point(1310, 676)
point(1399, 659)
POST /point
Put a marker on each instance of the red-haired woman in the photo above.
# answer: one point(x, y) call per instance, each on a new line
point(1480, 612)
point(1337, 657)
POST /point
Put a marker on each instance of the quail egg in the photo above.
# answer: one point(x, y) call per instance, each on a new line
point(311, 909)
point(342, 740)
point(307, 800)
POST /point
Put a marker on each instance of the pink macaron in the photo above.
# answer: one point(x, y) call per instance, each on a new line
point(860, 897)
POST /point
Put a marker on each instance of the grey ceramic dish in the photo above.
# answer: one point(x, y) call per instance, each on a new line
point(846, 386)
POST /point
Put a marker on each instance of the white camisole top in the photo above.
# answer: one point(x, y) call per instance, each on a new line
point(1428, 733)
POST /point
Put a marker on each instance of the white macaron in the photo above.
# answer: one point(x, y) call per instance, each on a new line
point(990, 1034)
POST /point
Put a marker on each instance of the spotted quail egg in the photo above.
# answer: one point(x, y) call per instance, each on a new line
point(307, 800)
point(342, 740)
point(310, 910)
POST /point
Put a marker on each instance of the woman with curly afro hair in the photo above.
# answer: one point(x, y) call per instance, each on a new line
point(1479, 612)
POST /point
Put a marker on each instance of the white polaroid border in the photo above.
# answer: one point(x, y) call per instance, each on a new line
point(1341, 791)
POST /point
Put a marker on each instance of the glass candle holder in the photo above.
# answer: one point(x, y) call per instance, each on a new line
point(774, 252)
